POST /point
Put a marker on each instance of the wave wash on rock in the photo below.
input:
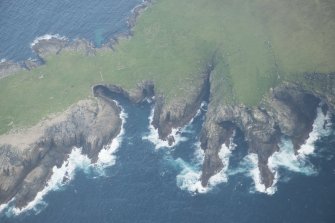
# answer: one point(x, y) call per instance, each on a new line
point(286, 110)
point(29, 158)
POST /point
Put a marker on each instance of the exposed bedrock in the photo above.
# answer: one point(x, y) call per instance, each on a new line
point(178, 112)
point(46, 47)
point(175, 113)
point(7, 68)
point(143, 90)
point(27, 157)
point(287, 110)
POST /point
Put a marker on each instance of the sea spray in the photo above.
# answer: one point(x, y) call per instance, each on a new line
point(203, 108)
point(153, 135)
point(106, 156)
point(189, 177)
point(63, 175)
point(286, 158)
point(321, 128)
point(253, 172)
point(60, 177)
point(47, 37)
point(224, 154)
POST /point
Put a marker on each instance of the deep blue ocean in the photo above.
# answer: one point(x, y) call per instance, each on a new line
point(145, 184)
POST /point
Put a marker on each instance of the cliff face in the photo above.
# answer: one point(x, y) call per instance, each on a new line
point(288, 110)
point(27, 158)
point(179, 111)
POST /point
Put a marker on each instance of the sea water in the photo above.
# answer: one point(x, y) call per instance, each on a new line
point(22, 21)
point(140, 179)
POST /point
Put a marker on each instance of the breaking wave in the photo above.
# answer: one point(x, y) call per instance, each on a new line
point(321, 127)
point(106, 156)
point(62, 176)
point(189, 177)
point(47, 37)
point(153, 135)
point(285, 158)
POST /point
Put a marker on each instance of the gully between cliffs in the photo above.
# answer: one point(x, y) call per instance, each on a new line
point(288, 110)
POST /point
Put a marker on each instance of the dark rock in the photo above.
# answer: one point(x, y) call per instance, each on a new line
point(287, 110)
point(89, 124)
point(46, 47)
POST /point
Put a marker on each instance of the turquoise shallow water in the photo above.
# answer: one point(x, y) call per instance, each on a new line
point(143, 185)
point(23, 20)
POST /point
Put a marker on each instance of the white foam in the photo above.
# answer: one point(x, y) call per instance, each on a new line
point(106, 156)
point(254, 173)
point(76, 160)
point(3, 60)
point(321, 127)
point(47, 37)
point(153, 135)
point(5, 206)
point(224, 154)
point(189, 177)
point(60, 177)
point(286, 158)
point(202, 108)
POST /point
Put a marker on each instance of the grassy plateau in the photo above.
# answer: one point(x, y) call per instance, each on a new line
point(256, 44)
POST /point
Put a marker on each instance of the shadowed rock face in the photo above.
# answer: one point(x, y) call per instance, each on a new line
point(26, 165)
point(27, 158)
point(143, 90)
point(213, 135)
point(287, 110)
point(179, 111)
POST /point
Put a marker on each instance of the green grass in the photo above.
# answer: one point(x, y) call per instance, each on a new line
point(257, 43)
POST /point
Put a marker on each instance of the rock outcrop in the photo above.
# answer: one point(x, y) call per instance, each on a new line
point(47, 47)
point(143, 90)
point(7, 68)
point(288, 110)
point(27, 158)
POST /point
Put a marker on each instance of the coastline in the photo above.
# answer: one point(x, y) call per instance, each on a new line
point(98, 154)
point(8, 67)
point(263, 124)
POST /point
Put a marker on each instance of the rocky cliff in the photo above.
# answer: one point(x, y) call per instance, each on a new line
point(288, 110)
point(27, 157)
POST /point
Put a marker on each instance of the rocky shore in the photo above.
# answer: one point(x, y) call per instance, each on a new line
point(53, 44)
point(27, 157)
point(288, 110)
